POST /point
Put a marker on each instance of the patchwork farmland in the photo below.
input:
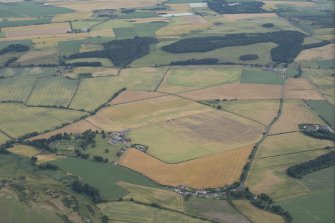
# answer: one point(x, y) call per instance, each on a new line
point(154, 111)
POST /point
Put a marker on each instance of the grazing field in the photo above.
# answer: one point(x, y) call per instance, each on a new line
point(53, 91)
point(124, 33)
point(261, 77)
point(256, 214)
point(149, 28)
point(105, 177)
point(131, 96)
point(320, 53)
point(147, 112)
point(76, 127)
point(323, 109)
point(260, 110)
point(235, 91)
point(294, 113)
point(149, 195)
point(217, 210)
point(24, 150)
point(119, 211)
point(31, 119)
point(36, 30)
point(193, 76)
point(16, 88)
point(221, 169)
point(317, 205)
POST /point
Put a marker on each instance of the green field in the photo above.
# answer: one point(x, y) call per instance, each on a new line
point(29, 9)
point(33, 119)
point(323, 109)
point(124, 32)
point(53, 91)
point(139, 213)
point(203, 76)
point(114, 23)
point(148, 29)
point(83, 24)
point(104, 177)
point(42, 20)
point(318, 204)
point(260, 77)
point(70, 47)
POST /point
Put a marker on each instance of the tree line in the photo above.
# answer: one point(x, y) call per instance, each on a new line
point(224, 7)
point(87, 189)
point(319, 163)
point(14, 48)
point(289, 43)
point(120, 52)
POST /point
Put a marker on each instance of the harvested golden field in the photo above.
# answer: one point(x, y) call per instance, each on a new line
point(196, 19)
point(102, 33)
point(207, 172)
point(36, 30)
point(320, 53)
point(243, 16)
point(294, 113)
point(74, 16)
point(130, 96)
point(303, 94)
point(139, 113)
point(236, 91)
point(298, 84)
point(103, 4)
point(179, 7)
point(256, 214)
point(260, 110)
point(24, 150)
point(76, 127)
point(47, 157)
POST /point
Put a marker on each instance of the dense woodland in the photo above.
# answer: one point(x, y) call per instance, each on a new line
point(289, 43)
point(224, 7)
point(14, 48)
point(120, 52)
point(321, 162)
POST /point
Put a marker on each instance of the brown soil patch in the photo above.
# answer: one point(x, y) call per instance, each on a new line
point(207, 172)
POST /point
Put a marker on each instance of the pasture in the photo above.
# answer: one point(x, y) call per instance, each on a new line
point(124, 33)
point(119, 211)
point(315, 206)
point(294, 113)
point(148, 111)
point(221, 169)
point(149, 195)
point(105, 177)
point(256, 214)
point(32, 119)
point(53, 91)
point(261, 77)
point(323, 109)
point(260, 110)
point(235, 91)
point(36, 30)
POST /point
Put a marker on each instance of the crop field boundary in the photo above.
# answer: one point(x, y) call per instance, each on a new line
point(303, 151)
point(74, 94)
point(10, 137)
point(160, 82)
point(282, 133)
point(31, 91)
